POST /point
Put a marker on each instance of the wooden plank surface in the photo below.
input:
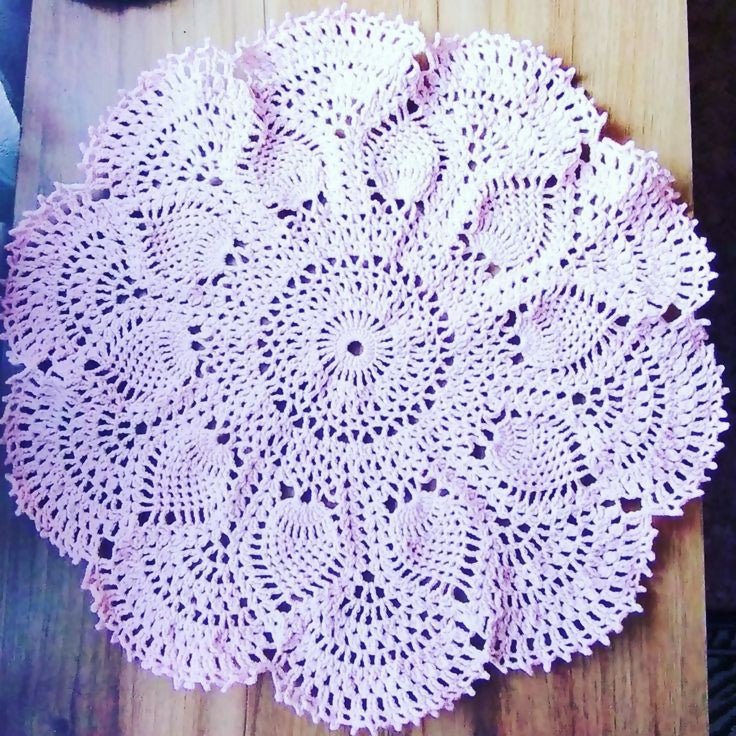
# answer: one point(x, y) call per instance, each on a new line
point(59, 676)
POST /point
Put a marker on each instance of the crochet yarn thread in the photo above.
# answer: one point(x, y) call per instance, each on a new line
point(361, 361)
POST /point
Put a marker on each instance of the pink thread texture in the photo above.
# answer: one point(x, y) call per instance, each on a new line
point(361, 361)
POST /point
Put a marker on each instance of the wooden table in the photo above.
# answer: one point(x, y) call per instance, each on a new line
point(59, 676)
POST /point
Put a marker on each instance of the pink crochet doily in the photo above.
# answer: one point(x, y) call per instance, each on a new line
point(359, 361)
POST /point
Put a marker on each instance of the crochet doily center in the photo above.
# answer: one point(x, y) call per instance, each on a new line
point(356, 347)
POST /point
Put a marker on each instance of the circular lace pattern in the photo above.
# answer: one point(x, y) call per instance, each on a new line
point(359, 361)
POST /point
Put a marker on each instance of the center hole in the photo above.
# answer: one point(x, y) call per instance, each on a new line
point(355, 347)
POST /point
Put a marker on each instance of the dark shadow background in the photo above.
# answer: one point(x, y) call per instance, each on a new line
point(712, 26)
point(14, 17)
point(114, 6)
point(713, 93)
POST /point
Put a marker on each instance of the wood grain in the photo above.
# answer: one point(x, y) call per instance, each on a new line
point(59, 676)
